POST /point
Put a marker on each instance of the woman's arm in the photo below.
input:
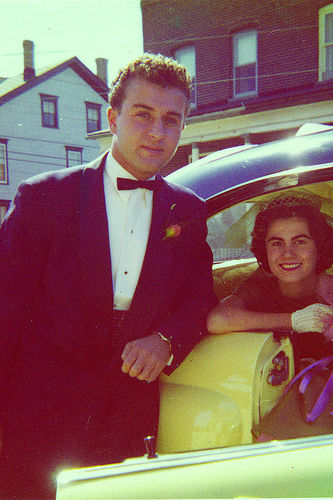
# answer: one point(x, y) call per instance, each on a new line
point(231, 315)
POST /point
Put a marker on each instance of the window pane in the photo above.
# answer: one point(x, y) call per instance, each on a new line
point(49, 111)
point(48, 107)
point(93, 117)
point(92, 114)
point(92, 126)
point(225, 246)
point(186, 56)
point(74, 157)
point(246, 51)
point(245, 78)
point(2, 162)
point(245, 63)
point(49, 119)
point(329, 58)
point(329, 28)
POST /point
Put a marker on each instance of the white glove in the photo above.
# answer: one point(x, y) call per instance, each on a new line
point(311, 318)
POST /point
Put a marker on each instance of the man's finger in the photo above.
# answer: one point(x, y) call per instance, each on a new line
point(136, 368)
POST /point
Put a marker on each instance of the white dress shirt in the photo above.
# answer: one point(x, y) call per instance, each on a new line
point(129, 218)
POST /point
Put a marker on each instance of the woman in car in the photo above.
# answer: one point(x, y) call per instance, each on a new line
point(293, 244)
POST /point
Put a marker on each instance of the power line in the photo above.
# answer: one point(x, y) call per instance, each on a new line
point(268, 75)
point(227, 35)
point(39, 140)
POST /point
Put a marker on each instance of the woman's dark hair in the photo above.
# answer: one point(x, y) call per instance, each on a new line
point(285, 208)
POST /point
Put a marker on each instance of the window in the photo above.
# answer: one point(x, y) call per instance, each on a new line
point(229, 231)
point(245, 63)
point(73, 156)
point(186, 56)
point(3, 161)
point(3, 209)
point(49, 111)
point(326, 43)
point(93, 112)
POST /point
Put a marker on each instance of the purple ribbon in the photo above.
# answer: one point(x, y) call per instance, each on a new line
point(325, 395)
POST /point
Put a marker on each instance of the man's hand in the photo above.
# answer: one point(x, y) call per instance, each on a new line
point(145, 358)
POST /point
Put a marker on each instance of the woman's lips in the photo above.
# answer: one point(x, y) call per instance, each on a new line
point(290, 267)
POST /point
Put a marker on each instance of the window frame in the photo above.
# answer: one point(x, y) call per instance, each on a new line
point(4, 142)
point(44, 98)
point(235, 47)
point(190, 49)
point(95, 107)
point(73, 149)
point(322, 68)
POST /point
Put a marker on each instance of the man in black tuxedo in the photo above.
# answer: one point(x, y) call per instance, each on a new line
point(104, 284)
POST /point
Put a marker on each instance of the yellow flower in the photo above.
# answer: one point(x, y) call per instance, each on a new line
point(172, 231)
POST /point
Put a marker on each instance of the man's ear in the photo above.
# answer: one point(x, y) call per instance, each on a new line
point(112, 114)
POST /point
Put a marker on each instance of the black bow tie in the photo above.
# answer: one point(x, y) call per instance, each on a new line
point(123, 184)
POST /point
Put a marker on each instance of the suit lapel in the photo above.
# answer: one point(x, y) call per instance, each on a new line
point(94, 251)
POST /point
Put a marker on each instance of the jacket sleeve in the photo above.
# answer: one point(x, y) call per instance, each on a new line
point(23, 243)
point(186, 323)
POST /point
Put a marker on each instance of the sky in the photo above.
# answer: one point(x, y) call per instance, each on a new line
point(61, 29)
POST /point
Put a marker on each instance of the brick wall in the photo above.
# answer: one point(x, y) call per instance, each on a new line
point(287, 40)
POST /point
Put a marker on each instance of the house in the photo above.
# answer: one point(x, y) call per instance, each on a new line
point(261, 69)
point(45, 117)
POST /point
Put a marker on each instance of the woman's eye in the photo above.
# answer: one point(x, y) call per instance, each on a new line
point(275, 243)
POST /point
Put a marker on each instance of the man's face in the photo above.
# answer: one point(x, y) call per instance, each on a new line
point(147, 128)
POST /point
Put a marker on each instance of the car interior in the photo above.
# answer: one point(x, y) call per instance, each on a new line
point(230, 381)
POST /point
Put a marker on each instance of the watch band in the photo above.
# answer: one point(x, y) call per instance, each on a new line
point(170, 345)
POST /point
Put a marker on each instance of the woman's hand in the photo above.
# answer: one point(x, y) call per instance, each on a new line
point(314, 318)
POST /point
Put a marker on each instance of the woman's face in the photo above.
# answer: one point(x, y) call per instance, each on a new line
point(291, 251)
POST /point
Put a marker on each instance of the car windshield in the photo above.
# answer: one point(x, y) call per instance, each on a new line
point(229, 231)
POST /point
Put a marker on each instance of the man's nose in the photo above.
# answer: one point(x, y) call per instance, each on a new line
point(156, 130)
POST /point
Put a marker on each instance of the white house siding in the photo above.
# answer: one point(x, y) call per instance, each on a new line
point(33, 149)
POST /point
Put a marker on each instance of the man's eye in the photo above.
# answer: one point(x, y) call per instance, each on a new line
point(300, 242)
point(170, 121)
point(142, 114)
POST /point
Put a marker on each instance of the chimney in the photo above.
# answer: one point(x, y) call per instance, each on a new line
point(101, 67)
point(29, 67)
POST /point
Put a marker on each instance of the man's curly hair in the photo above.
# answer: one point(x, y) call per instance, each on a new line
point(320, 230)
point(154, 68)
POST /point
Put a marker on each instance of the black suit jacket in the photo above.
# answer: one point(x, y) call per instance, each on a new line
point(61, 384)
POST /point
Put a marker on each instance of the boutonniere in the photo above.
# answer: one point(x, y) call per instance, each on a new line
point(172, 231)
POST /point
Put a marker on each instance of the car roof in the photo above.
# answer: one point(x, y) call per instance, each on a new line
point(214, 174)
